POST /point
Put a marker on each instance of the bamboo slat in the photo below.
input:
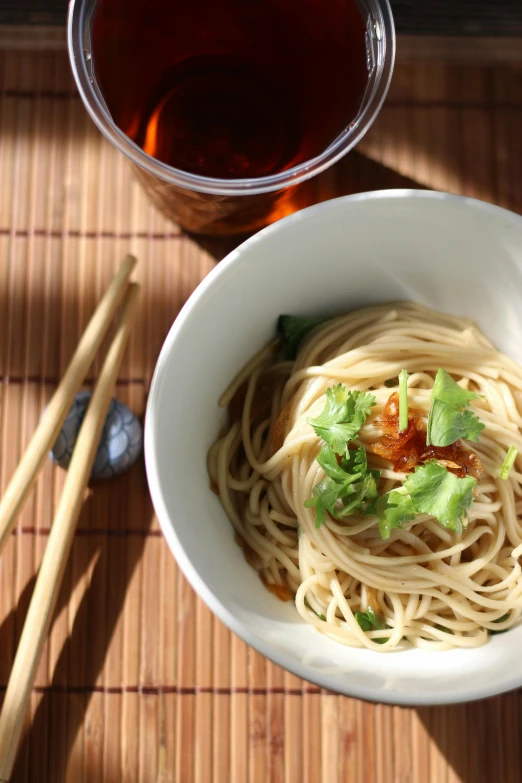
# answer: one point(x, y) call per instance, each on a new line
point(138, 681)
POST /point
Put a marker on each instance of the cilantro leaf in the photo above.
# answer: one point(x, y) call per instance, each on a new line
point(393, 509)
point(436, 491)
point(355, 461)
point(447, 419)
point(446, 389)
point(366, 489)
point(371, 621)
point(324, 498)
point(327, 459)
point(508, 462)
point(343, 416)
point(346, 488)
point(446, 425)
point(292, 330)
point(473, 426)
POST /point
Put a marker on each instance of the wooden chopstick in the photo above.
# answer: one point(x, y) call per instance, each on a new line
point(51, 422)
point(51, 571)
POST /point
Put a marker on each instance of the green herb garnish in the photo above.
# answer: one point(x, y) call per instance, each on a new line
point(317, 614)
point(324, 498)
point(500, 620)
point(436, 491)
point(343, 416)
point(403, 400)
point(364, 490)
point(447, 390)
point(449, 418)
point(431, 489)
point(393, 509)
point(444, 629)
point(508, 462)
point(292, 329)
point(348, 487)
point(371, 621)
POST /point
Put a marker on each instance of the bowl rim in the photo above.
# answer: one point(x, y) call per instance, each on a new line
point(169, 529)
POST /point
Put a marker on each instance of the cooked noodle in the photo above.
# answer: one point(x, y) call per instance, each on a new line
point(433, 588)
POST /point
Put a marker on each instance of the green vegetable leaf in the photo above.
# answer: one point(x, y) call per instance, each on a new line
point(324, 498)
point(446, 389)
point(355, 461)
point(347, 488)
point(343, 416)
point(318, 614)
point(473, 426)
point(447, 419)
point(436, 491)
point(446, 425)
point(327, 459)
point(371, 621)
point(292, 330)
point(403, 400)
point(366, 489)
point(508, 463)
point(444, 629)
point(393, 509)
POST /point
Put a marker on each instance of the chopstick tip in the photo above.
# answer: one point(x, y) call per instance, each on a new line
point(129, 262)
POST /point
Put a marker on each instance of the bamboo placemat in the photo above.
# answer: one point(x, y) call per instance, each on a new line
point(139, 682)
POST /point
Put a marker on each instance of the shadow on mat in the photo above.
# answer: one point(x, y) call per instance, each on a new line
point(480, 741)
point(355, 173)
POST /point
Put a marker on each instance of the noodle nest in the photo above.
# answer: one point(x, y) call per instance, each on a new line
point(433, 588)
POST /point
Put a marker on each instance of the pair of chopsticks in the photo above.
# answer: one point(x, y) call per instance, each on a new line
point(39, 616)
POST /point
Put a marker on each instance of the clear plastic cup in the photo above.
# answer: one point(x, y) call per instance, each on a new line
point(207, 205)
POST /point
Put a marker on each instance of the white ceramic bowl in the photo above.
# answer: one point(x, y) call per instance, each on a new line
point(453, 254)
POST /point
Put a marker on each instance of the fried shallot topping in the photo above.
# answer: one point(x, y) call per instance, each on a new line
point(407, 449)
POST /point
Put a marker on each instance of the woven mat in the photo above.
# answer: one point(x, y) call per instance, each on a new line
point(138, 681)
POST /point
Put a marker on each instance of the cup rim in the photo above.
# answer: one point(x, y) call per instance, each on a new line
point(229, 187)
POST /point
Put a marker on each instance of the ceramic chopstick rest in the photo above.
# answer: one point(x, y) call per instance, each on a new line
point(120, 444)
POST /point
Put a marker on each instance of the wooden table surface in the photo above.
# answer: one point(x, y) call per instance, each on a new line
point(139, 682)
